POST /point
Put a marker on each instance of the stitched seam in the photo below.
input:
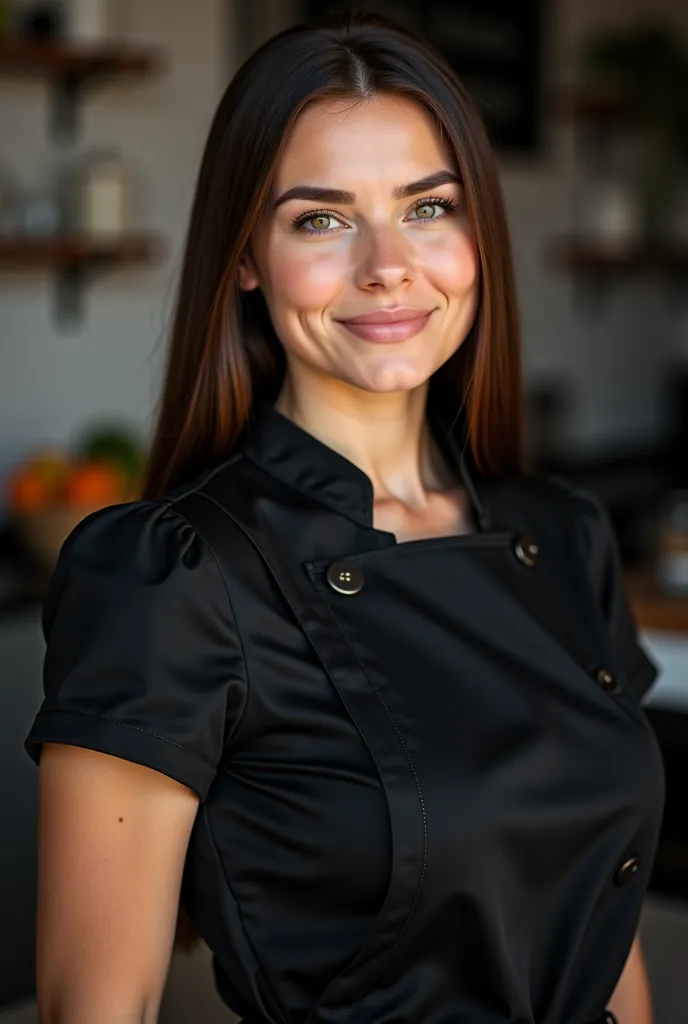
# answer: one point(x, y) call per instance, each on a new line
point(202, 482)
point(125, 725)
point(421, 880)
point(406, 549)
point(237, 905)
point(229, 601)
point(375, 690)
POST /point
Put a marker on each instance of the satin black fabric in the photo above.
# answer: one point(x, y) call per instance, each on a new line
point(416, 799)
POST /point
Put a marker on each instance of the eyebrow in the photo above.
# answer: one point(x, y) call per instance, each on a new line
point(320, 194)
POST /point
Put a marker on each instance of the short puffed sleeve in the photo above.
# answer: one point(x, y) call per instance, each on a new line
point(143, 659)
point(601, 552)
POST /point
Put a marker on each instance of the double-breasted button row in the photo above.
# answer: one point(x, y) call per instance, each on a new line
point(347, 577)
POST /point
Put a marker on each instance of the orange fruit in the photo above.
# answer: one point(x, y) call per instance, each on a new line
point(93, 485)
point(28, 491)
point(50, 463)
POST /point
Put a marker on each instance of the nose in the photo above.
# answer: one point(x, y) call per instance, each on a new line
point(386, 260)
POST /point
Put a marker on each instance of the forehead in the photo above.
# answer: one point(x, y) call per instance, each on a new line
point(385, 138)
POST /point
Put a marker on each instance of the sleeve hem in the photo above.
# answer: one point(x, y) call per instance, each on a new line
point(120, 739)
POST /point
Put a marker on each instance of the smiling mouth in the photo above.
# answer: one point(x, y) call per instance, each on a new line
point(391, 315)
point(388, 325)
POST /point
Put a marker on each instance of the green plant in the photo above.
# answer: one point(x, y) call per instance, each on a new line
point(113, 443)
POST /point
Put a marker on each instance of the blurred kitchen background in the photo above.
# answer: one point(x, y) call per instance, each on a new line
point(104, 108)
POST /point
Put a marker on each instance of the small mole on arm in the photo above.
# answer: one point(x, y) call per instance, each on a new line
point(121, 819)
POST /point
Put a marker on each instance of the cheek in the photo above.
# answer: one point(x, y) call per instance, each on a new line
point(308, 279)
point(451, 264)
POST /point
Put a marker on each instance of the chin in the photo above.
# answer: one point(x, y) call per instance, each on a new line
point(390, 378)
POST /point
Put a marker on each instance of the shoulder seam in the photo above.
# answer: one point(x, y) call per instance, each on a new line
point(206, 478)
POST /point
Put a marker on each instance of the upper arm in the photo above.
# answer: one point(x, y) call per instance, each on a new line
point(144, 681)
point(632, 998)
point(112, 841)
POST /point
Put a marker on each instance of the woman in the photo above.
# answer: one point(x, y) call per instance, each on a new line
point(372, 687)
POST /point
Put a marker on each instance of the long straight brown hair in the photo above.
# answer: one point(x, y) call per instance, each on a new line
point(224, 351)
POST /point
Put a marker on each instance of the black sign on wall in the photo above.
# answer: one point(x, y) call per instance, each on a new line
point(494, 46)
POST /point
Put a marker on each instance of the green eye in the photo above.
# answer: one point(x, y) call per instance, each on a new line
point(426, 211)
point(434, 208)
point(317, 223)
point(321, 222)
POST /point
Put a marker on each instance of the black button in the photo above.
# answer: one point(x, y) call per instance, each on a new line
point(345, 577)
point(627, 871)
point(607, 681)
point(526, 550)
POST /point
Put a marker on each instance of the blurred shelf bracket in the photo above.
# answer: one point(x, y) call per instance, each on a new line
point(597, 257)
point(66, 93)
point(596, 267)
point(75, 261)
point(586, 105)
point(70, 70)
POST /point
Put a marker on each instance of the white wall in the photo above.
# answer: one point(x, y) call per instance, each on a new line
point(51, 382)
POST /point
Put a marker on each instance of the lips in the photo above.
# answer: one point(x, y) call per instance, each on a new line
point(387, 316)
point(388, 325)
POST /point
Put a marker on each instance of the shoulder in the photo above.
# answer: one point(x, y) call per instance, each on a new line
point(184, 547)
point(143, 559)
point(557, 512)
point(591, 519)
point(151, 534)
point(141, 538)
point(546, 499)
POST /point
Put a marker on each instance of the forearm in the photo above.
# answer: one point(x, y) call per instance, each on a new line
point(632, 999)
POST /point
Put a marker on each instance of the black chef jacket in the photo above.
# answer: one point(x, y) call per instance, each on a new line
point(428, 791)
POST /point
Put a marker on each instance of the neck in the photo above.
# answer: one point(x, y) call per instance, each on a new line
point(385, 435)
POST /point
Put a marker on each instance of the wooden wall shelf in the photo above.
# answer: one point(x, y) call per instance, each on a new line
point(65, 250)
point(75, 260)
point(588, 105)
point(576, 256)
point(71, 69)
point(26, 57)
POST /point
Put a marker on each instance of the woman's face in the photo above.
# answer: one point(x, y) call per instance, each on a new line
point(364, 254)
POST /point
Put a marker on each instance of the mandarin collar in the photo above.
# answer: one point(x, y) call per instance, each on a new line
point(299, 460)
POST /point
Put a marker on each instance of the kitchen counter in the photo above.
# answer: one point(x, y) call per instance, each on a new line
point(654, 609)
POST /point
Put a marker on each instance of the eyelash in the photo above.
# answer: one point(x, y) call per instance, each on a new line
point(299, 222)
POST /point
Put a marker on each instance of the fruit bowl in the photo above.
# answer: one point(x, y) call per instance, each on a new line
point(50, 493)
point(44, 531)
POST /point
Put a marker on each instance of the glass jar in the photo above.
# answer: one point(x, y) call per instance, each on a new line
point(92, 21)
point(103, 195)
point(606, 210)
